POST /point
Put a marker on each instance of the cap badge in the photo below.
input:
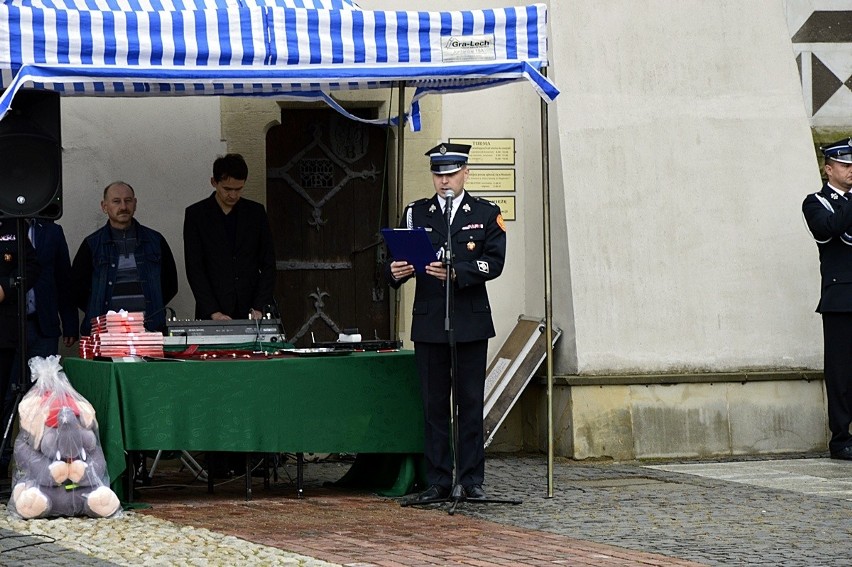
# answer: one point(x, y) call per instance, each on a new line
point(442, 149)
point(834, 196)
point(471, 246)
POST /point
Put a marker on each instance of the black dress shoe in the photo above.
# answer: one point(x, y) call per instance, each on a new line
point(474, 492)
point(844, 453)
point(434, 492)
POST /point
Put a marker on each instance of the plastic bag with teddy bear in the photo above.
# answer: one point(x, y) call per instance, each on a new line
point(59, 468)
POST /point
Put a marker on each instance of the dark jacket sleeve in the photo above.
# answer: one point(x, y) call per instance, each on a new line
point(81, 277)
point(62, 277)
point(168, 272)
point(393, 282)
point(31, 272)
point(824, 223)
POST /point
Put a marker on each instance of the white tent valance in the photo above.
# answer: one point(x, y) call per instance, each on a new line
point(269, 51)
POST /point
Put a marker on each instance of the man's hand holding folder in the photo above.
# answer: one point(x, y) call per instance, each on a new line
point(410, 245)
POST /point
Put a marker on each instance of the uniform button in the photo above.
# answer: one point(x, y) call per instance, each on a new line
point(109, 283)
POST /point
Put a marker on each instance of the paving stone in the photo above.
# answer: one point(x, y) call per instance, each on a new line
point(601, 513)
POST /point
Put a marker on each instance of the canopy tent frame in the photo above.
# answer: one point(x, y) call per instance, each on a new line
point(293, 53)
point(270, 48)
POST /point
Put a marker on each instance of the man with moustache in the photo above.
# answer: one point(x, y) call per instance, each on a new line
point(123, 265)
point(828, 214)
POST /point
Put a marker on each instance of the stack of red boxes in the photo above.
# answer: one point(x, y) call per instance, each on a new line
point(121, 334)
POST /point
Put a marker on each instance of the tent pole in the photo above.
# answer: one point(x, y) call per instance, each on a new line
point(400, 154)
point(548, 304)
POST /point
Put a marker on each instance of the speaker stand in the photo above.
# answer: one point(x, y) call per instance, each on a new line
point(18, 386)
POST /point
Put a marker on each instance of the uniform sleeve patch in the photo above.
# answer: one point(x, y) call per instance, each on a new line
point(501, 223)
point(483, 266)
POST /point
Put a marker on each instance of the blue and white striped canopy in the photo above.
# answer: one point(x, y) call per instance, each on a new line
point(178, 5)
point(257, 48)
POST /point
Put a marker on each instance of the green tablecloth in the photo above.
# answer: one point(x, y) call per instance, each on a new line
point(357, 403)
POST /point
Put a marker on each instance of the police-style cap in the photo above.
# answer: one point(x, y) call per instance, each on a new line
point(448, 158)
point(840, 150)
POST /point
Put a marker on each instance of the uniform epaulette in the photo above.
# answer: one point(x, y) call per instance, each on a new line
point(486, 201)
point(418, 202)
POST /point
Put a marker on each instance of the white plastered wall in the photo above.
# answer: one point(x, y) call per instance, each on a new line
point(680, 154)
point(685, 154)
point(163, 147)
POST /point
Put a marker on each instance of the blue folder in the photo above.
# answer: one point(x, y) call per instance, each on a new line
point(411, 245)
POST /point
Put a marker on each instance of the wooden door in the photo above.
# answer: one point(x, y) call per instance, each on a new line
point(326, 199)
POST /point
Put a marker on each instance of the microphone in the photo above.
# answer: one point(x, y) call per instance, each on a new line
point(448, 196)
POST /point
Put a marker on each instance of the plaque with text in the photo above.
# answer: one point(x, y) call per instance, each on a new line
point(507, 206)
point(490, 180)
point(489, 151)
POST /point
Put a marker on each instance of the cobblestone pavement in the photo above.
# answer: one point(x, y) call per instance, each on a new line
point(749, 512)
point(706, 520)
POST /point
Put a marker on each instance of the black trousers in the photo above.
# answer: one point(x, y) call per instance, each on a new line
point(837, 335)
point(433, 366)
point(8, 357)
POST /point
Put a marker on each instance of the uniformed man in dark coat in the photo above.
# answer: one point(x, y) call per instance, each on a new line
point(10, 321)
point(477, 239)
point(828, 213)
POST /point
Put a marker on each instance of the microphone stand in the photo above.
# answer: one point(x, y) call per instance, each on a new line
point(457, 494)
point(20, 385)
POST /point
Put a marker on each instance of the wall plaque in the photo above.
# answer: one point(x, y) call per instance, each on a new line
point(507, 206)
point(489, 151)
point(490, 180)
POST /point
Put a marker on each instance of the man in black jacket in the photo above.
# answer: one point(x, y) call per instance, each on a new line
point(828, 213)
point(477, 238)
point(230, 261)
point(51, 312)
point(228, 248)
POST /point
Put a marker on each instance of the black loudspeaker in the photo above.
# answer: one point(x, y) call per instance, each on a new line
point(31, 157)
